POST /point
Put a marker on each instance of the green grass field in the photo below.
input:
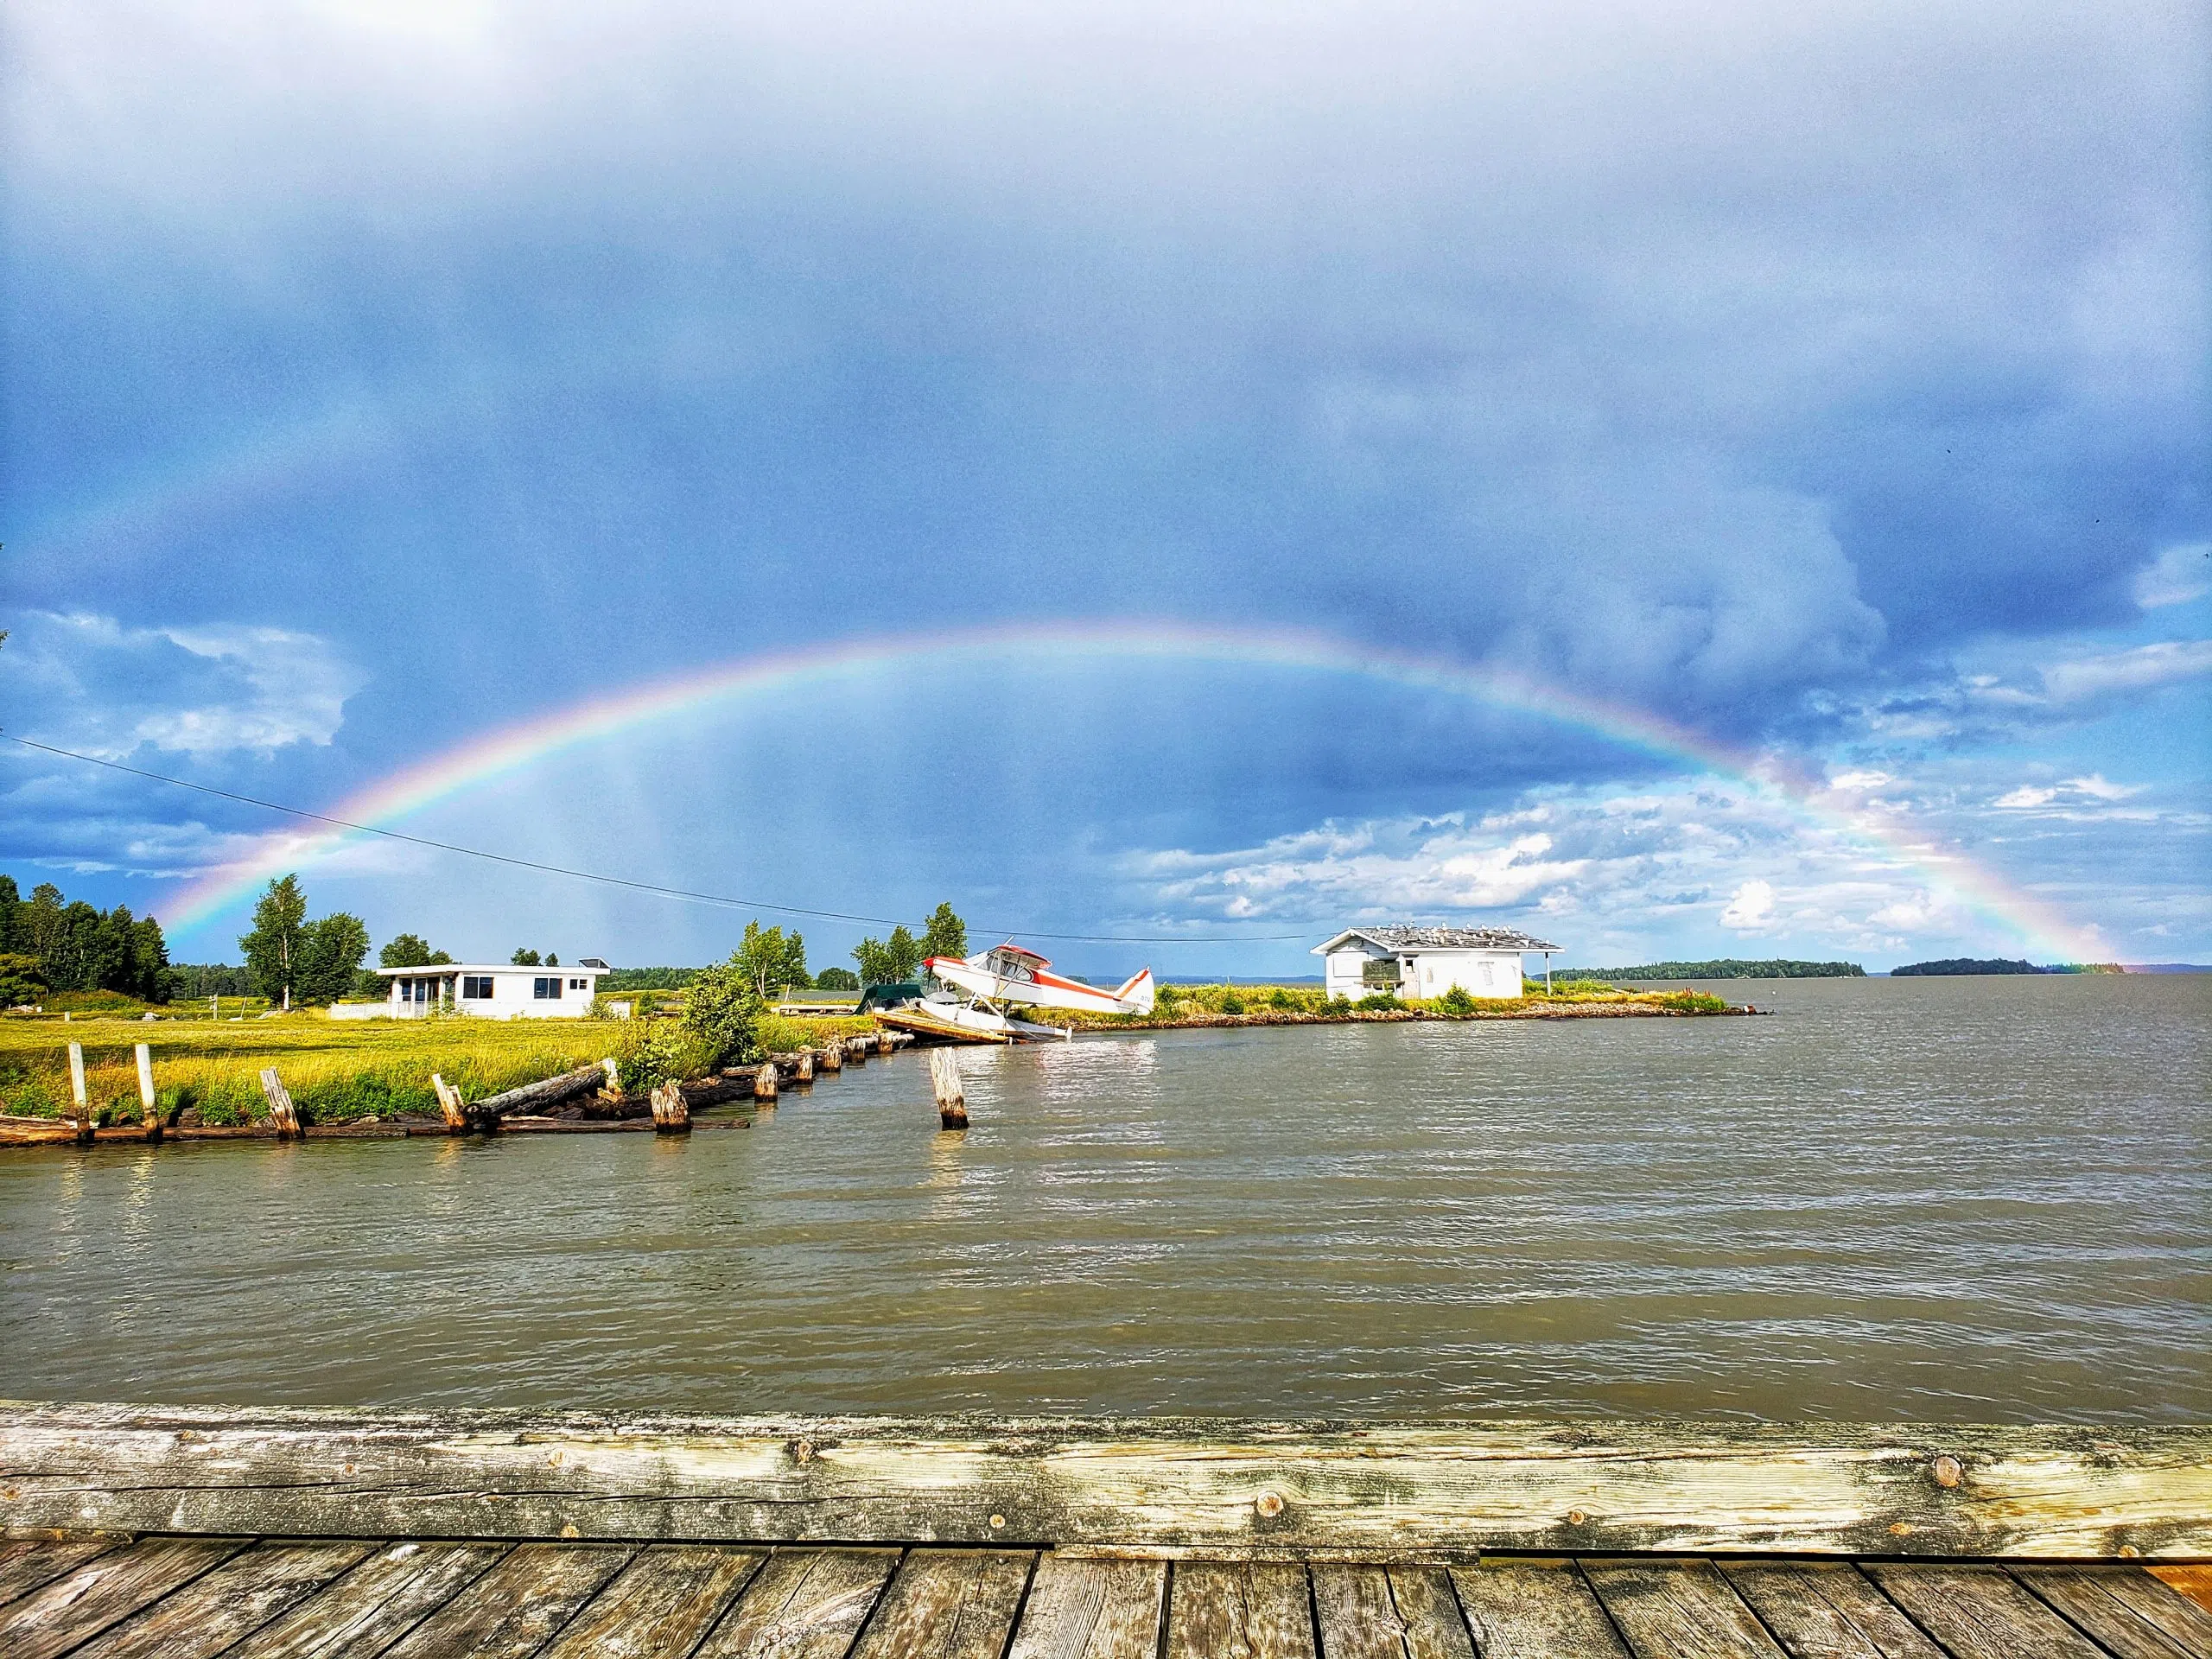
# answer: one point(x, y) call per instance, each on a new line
point(335, 1071)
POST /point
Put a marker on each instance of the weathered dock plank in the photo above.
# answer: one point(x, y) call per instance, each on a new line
point(2127, 1611)
point(224, 1606)
point(1679, 1610)
point(356, 1597)
point(662, 1603)
point(1092, 1610)
point(949, 1604)
point(1388, 1612)
point(27, 1563)
point(1521, 1609)
point(1826, 1608)
point(802, 1604)
point(104, 1591)
point(1148, 1486)
point(1980, 1612)
point(516, 1608)
point(1240, 1609)
point(376, 1604)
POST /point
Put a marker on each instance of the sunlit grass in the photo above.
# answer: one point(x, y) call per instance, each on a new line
point(335, 1071)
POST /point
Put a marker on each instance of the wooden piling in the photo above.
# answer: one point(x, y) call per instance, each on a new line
point(150, 1114)
point(672, 1112)
point(803, 1067)
point(764, 1081)
point(832, 1058)
point(945, 1079)
point(856, 1050)
point(77, 1095)
point(280, 1106)
point(456, 1115)
point(884, 1042)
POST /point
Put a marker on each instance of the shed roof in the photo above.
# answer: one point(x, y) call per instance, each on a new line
point(1407, 936)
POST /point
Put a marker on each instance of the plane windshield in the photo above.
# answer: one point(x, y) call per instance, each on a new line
point(1012, 964)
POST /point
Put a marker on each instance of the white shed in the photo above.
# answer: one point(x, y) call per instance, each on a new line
point(1426, 961)
point(493, 990)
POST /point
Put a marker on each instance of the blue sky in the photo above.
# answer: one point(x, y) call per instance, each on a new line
point(1830, 382)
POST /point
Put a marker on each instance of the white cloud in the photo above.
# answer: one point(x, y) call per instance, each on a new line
point(2177, 575)
point(89, 682)
point(2026, 796)
point(2141, 669)
point(1751, 909)
point(1615, 875)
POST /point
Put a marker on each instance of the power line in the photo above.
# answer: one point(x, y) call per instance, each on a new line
point(612, 880)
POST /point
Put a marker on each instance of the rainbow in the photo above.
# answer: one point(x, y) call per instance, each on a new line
point(512, 748)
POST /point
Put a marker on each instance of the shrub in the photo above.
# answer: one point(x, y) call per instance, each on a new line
point(1456, 1001)
point(722, 1011)
point(1231, 1002)
point(1377, 1002)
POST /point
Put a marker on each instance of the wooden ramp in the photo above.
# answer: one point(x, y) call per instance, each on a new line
point(169, 1598)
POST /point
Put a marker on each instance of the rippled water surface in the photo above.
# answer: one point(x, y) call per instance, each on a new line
point(1934, 1199)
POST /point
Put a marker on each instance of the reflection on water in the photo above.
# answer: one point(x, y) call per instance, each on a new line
point(1961, 1199)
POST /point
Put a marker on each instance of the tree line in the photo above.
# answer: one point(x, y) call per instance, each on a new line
point(48, 943)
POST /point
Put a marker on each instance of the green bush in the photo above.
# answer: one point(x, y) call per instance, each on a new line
point(722, 1011)
point(1378, 1003)
point(1456, 1001)
point(1231, 1002)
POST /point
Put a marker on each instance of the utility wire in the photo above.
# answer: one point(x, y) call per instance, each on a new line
point(613, 880)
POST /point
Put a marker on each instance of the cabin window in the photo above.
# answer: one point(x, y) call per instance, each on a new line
point(543, 988)
point(476, 987)
point(1007, 965)
point(578, 985)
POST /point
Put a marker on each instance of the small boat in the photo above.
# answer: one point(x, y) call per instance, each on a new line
point(971, 994)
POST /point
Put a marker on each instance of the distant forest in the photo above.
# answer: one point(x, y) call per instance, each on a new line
point(1725, 968)
point(1951, 965)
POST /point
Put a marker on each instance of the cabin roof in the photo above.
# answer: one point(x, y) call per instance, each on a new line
point(591, 967)
point(1407, 936)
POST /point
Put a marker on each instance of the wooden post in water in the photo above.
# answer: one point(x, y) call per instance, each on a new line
point(885, 1042)
point(280, 1105)
point(945, 1079)
point(856, 1050)
point(672, 1112)
point(803, 1067)
point(77, 1096)
point(449, 1104)
point(764, 1082)
point(833, 1057)
point(152, 1114)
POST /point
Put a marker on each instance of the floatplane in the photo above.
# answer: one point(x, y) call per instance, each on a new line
point(969, 996)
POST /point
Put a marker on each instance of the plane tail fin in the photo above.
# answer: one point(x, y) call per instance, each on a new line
point(1136, 997)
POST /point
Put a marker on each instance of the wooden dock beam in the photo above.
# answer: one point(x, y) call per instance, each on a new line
point(149, 1112)
point(945, 1081)
point(281, 1112)
point(1144, 1486)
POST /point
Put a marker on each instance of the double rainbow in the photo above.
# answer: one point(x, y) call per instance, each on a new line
point(2039, 927)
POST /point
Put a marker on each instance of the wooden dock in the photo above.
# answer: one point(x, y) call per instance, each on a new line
point(262, 1533)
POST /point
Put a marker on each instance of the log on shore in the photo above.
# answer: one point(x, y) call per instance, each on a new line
point(1151, 1485)
point(534, 1096)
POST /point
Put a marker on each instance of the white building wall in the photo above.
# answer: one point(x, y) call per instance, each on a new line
point(1479, 973)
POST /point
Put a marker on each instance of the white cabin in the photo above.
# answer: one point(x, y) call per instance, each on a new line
point(1426, 961)
point(490, 990)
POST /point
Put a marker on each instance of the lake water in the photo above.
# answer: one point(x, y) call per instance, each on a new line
point(1950, 1200)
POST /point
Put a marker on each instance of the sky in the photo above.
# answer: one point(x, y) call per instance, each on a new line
point(1172, 481)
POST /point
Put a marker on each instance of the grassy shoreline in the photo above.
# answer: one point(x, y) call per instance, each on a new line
point(345, 1071)
point(337, 1072)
